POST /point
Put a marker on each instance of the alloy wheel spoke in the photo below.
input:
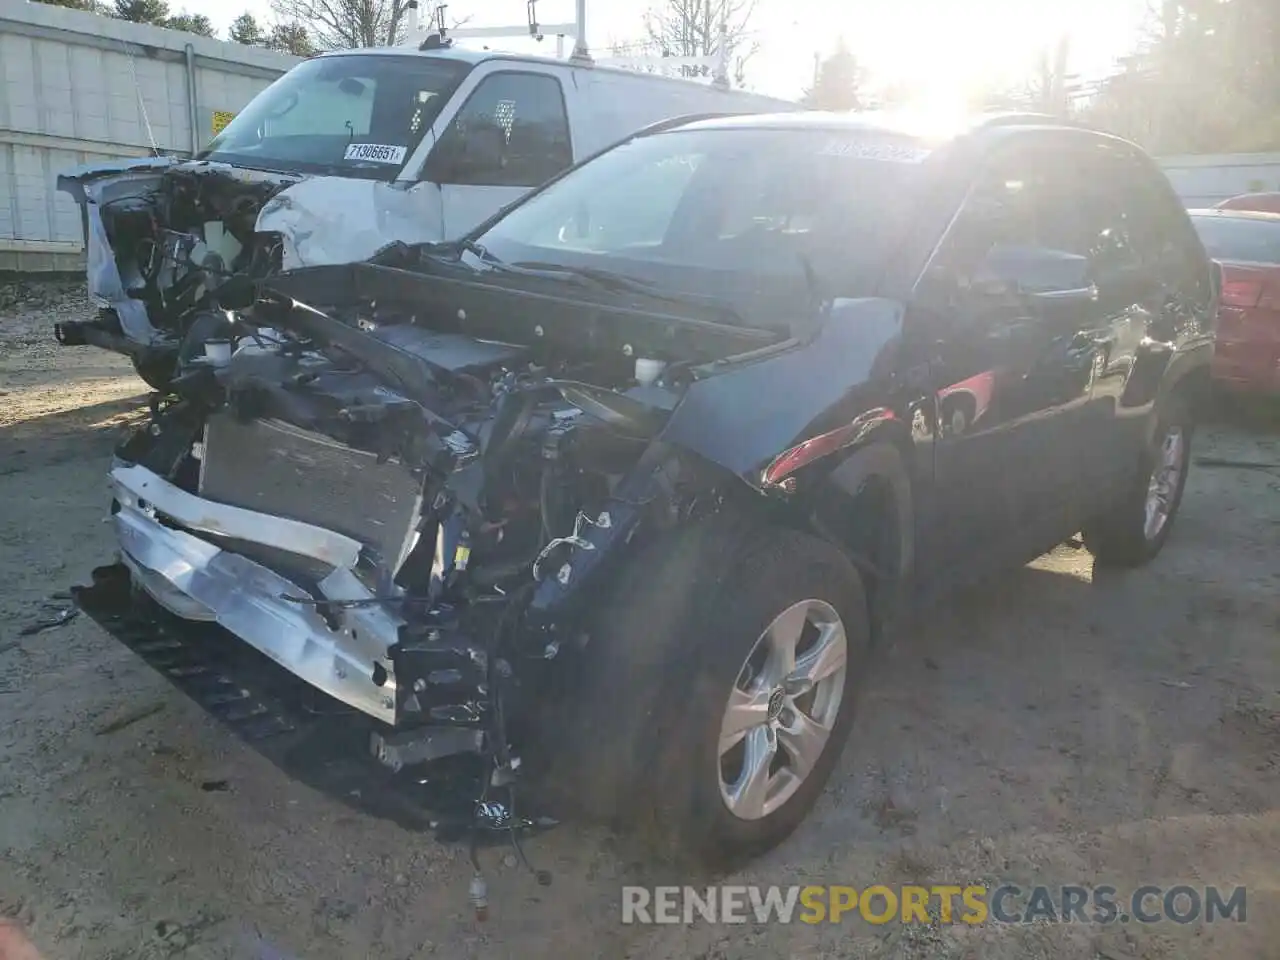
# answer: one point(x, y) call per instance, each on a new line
point(804, 740)
point(748, 710)
point(748, 795)
point(824, 659)
point(783, 637)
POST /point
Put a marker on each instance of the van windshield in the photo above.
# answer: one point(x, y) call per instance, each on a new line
point(355, 115)
point(758, 217)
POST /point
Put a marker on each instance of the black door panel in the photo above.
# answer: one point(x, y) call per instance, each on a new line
point(1012, 368)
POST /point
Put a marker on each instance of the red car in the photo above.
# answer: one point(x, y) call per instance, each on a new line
point(1247, 244)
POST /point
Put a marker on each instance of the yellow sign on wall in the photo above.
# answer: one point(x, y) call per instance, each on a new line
point(220, 120)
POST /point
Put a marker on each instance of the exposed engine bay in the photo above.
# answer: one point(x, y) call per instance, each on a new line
point(163, 239)
point(415, 518)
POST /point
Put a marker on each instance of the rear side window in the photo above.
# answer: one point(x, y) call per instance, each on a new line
point(513, 131)
point(1240, 238)
point(1147, 231)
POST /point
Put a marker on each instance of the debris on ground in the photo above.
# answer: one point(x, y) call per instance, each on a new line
point(130, 718)
point(59, 618)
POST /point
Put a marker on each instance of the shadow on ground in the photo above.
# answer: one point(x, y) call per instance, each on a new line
point(83, 433)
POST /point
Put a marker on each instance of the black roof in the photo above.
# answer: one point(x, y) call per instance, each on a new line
point(890, 124)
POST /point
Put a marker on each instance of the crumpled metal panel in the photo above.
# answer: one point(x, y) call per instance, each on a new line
point(197, 580)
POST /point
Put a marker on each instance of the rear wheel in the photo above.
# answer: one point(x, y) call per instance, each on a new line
point(1136, 531)
point(720, 691)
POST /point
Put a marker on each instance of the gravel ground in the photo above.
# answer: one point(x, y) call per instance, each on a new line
point(1052, 727)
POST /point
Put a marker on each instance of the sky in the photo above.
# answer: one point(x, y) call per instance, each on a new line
point(939, 49)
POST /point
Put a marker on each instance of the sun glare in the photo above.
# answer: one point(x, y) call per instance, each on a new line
point(934, 112)
point(942, 53)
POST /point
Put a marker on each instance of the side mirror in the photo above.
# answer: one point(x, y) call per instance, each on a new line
point(1041, 273)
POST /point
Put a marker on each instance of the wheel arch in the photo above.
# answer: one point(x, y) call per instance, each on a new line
point(1188, 379)
point(863, 501)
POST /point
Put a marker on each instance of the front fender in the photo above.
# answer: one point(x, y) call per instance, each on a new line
point(325, 221)
point(744, 417)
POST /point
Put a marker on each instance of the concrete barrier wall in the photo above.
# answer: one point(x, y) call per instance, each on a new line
point(78, 88)
point(1202, 181)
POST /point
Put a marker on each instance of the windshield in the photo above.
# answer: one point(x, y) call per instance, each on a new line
point(350, 116)
point(743, 215)
point(1240, 238)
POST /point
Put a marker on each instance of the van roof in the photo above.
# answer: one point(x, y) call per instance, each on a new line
point(474, 57)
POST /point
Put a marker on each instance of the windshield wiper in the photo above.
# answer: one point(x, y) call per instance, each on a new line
point(621, 283)
point(472, 247)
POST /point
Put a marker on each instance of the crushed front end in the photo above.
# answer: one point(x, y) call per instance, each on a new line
point(403, 525)
point(164, 238)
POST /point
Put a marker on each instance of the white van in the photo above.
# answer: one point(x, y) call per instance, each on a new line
point(343, 155)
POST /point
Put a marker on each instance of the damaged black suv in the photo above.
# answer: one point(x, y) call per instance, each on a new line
point(603, 508)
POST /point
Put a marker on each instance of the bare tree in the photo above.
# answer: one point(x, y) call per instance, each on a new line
point(347, 24)
point(343, 24)
point(693, 28)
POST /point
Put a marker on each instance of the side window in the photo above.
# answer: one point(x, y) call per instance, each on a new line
point(1164, 233)
point(1024, 199)
point(1112, 219)
point(513, 131)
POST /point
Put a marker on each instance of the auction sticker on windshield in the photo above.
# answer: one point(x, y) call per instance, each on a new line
point(874, 151)
point(376, 152)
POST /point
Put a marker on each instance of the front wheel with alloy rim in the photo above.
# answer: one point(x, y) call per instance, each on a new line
point(1137, 529)
point(718, 690)
point(782, 709)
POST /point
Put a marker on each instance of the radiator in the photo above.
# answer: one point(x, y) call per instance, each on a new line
point(273, 467)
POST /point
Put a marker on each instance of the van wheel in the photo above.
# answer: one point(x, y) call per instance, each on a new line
point(1136, 531)
point(156, 370)
point(721, 690)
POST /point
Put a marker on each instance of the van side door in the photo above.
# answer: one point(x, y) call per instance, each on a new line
point(511, 133)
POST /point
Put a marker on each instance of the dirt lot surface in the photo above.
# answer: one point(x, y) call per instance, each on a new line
point(1053, 727)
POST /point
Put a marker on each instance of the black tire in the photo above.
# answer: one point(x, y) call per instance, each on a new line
point(156, 370)
point(1120, 538)
point(657, 673)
